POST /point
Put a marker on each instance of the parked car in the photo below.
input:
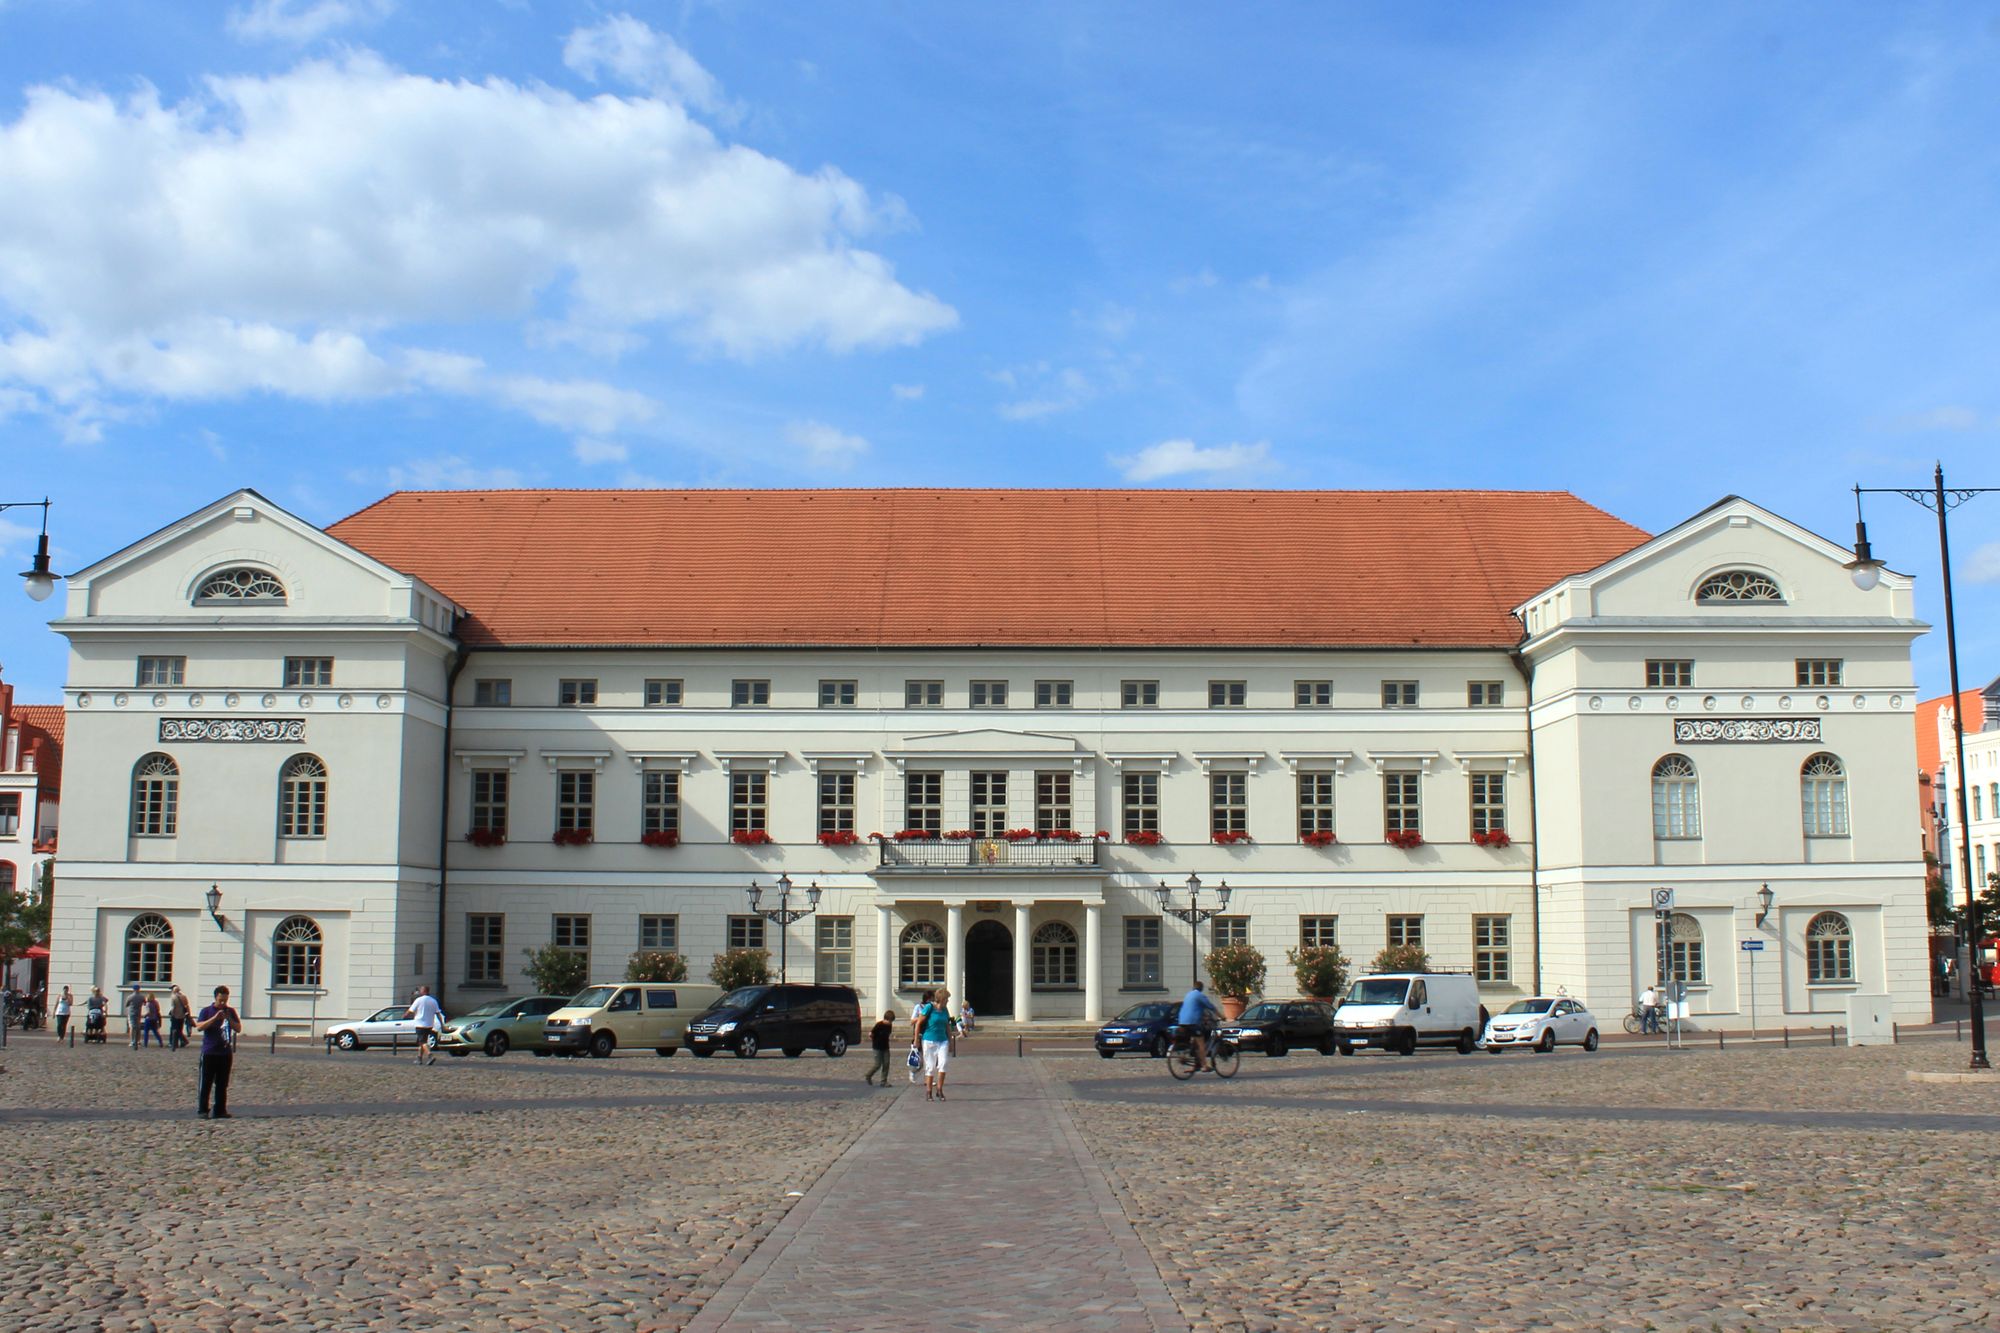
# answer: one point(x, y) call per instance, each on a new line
point(384, 1027)
point(1142, 1029)
point(1400, 1011)
point(1276, 1027)
point(1541, 1022)
point(636, 1014)
point(498, 1027)
point(792, 1018)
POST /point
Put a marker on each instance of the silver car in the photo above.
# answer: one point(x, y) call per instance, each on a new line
point(384, 1027)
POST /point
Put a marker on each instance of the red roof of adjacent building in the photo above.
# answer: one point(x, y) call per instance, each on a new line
point(40, 727)
point(989, 567)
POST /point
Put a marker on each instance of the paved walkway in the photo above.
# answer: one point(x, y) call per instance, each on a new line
point(982, 1212)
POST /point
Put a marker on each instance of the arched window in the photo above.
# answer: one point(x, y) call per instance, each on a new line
point(302, 798)
point(1738, 585)
point(921, 956)
point(7, 880)
point(244, 583)
point(295, 952)
point(1676, 798)
point(156, 797)
point(1829, 949)
point(1823, 796)
point(1684, 939)
point(149, 950)
point(1054, 955)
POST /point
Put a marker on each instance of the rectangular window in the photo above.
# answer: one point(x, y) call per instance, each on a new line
point(1228, 693)
point(157, 671)
point(1489, 802)
point(1141, 693)
point(485, 937)
point(1053, 693)
point(489, 800)
point(1976, 815)
point(576, 693)
point(1142, 953)
point(836, 803)
point(749, 694)
point(1491, 960)
point(1406, 931)
point(748, 807)
point(839, 693)
point(923, 694)
point(1142, 803)
point(571, 933)
point(989, 804)
point(1052, 809)
point(664, 693)
point(1484, 694)
point(1312, 693)
point(1319, 932)
point(660, 801)
point(1401, 808)
point(576, 800)
point(1669, 673)
point(1228, 802)
point(1399, 694)
point(1231, 930)
point(1819, 670)
point(492, 693)
point(308, 671)
point(923, 802)
point(1980, 854)
point(662, 933)
point(10, 814)
point(1315, 803)
point(746, 932)
point(833, 957)
point(989, 694)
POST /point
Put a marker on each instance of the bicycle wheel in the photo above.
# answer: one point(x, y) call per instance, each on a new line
point(1225, 1058)
point(1180, 1062)
point(1632, 1023)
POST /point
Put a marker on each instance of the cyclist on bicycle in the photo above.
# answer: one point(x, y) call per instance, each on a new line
point(1195, 1019)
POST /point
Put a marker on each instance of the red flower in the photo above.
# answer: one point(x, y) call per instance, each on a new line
point(571, 837)
point(751, 837)
point(1061, 835)
point(661, 837)
point(1021, 835)
point(1407, 839)
point(487, 837)
point(1104, 835)
point(1228, 837)
point(1319, 838)
point(1496, 838)
point(1144, 838)
point(959, 835)
point(839, 838)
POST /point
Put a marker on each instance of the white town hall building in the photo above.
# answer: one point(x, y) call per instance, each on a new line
point(459, 725)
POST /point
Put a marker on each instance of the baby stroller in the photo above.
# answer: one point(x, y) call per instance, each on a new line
point(93, 1026)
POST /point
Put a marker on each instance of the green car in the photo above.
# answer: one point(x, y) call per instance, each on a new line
point(495, 1028)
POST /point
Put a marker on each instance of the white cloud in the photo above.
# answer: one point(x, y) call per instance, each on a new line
point(624, 49)
point(1984, 566)
point(1175, 458)
point(1955, 419)
point(1048, 391)
point(302, 21)
point(449, 472)
point(826, 446)
point(572, 405)
point(909, 393)
point(599, 451)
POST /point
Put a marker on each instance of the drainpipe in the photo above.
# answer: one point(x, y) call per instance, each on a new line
point(1527, 670)
point(458, 660)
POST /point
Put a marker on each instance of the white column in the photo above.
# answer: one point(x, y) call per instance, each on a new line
point(885, 959)
point(1093, 963)
point(1023, 996)
point(954, 953)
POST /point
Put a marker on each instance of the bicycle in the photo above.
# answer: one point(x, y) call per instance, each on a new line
point(1635, 1023)
point(1223, 1056)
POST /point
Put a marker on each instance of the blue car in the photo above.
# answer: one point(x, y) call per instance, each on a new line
point(1142, 1028)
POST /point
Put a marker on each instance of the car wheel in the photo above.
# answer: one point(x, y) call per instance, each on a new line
point(602, 1044)
point(1465, 1041)
point(794, 1052)
point(1407, 1045)
point(836, 1045)
point(1344, 1048)
point(665, 1052)
point(746, 1047)
point(1275, 1047)
point(346, 1041)
point(1326, 1045)
point(1590, 1040)
point(1158, 1049)
point(1495, 1050)
point(1109, 1055)
point(496, 1045)
point(1547, 1041)
point(458, 1055)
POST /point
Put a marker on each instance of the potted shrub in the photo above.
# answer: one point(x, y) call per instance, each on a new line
point(1228, 837)
point(659, 837)
point(1237, 972)
point(557, 971)
point(751, 837)
point(912, 835)
point(487, 837)
point(1321, 970)
point(958, 835)
point(1401, 958)
point(570, 837)
point(1144, 838)
point(1061, 835)
point(1496, 838)
point(1318, 838)
point(656, 965)
point(1020, 835)
point(740, 967)
point(840, 838)
point(1408, 839)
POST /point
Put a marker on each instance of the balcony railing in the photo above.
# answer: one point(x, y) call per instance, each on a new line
point(989, 854)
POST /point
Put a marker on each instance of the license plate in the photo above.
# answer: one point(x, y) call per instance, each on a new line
point(1358, 1041)
point(1114, 1041)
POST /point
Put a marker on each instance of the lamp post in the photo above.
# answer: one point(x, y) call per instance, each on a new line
point(1194, 914)
point(1764, 900)
point(214, 896)
point(1867, 572)
point(784, 914)
point(40, 582)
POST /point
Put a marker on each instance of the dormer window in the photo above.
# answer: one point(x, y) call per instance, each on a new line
point(245, 583)
point(1738, 585)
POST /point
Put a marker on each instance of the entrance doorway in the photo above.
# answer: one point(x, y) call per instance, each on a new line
point(989, 969)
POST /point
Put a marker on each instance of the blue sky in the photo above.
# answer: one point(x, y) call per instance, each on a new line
point(1649, 254)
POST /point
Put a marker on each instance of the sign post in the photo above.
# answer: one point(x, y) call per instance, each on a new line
point(1753, 948)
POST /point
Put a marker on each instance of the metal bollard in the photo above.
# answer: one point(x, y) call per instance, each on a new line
point(274, 1041)
point(1831, 1038)
point(1718, 1039)
point(1957, 1030)
point(1019, 1051)
point(1788, 1039)
point(1895, 1035)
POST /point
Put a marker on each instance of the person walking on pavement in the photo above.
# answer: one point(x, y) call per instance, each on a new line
point(149, 1024)
point(430, 1018)
point(65, 1004)
point(218, 1025)
point(917, 1035)
point(179, 1014)
point(135, 1014)
point(934, 1021)
point(1649, 1009)
point(878, 1038)
point(94, 1008)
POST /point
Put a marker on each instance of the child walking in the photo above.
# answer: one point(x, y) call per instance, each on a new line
point(878, 1037)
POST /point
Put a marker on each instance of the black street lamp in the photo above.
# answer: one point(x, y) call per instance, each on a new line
point(40, 582)
point(1867, 572)
point(1194, 914)
point(784, 914)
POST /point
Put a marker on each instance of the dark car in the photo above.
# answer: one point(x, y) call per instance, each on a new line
point(790, 1018)
point(1143, 1028)
point(1276, 1027)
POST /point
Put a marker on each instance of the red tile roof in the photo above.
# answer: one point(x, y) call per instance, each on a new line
point(989, 567)
point(41, 727)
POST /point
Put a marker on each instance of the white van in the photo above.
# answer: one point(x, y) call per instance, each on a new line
point(1400, 1011)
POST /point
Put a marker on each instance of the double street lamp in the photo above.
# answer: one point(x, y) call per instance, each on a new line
point(1194, 914)
point(1867, 572)
point(784, 914)
point(39, 580)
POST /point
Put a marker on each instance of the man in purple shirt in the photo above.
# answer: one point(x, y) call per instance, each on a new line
point(218, 1025)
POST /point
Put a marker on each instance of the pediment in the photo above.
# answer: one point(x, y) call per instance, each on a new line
point(988, 741)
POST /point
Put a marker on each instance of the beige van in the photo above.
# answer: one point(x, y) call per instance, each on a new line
point(634, 1014)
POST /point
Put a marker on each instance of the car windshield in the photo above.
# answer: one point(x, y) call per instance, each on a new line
point(1529, 1007)
point(740, 998)
point(488, 1010)
point(595, 997)
point(1263, 1013)
point(1142, 1013)
point(1378, 990)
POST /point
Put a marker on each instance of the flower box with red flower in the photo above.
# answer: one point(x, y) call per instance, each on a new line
point(1408, 839)
point(1060, 835)
point(1020, 835)
point(1228, 837)
point(1144, 838)
point(1495, 838)
point(751, 837)
point(1318, 838)
point(1104, 835)
point(958, 835)
point(571, 837)
point(839, 838)
point(661, 837)
point(912, 834)
point(487, 837)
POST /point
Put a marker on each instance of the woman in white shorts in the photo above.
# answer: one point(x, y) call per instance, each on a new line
point(934, 1024)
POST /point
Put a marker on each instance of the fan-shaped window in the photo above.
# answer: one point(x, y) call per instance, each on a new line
point(1054, 955)
point(1829, 949)
point(921, 955)
point(149, 950)
point(1823, 797)
point(1684, 939)
point(302, 798)
point(244, 583)
point(1676, 798)
point(295, 946)
point(156, 797)
point(1738, 585)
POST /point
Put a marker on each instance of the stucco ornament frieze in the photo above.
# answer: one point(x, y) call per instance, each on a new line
point(1755, 730)
point(249, 729)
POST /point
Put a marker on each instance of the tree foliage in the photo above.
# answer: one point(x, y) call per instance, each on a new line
point(740, 967)
point(656, 965)
point(557, 971)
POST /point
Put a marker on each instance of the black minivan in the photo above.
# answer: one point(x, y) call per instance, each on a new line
point(792, 1018)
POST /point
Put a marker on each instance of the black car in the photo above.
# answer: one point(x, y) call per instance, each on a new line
point(1142, 1028)
point(791, 1018)
point(1276, 1027)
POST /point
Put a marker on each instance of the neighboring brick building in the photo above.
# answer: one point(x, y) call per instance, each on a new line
point(31, 737)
